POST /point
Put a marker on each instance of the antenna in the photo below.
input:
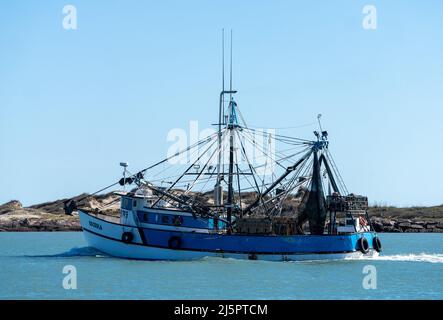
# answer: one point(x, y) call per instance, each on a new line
point(223, 59)
point(230, 73)
point(319, 122)
point(324, 134)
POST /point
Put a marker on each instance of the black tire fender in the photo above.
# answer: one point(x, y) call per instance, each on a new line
point(174, 242)
point(363, 245)
point(376, 244)
point(127, 237)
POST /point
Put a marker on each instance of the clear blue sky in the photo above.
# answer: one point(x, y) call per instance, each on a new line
point(73, 104)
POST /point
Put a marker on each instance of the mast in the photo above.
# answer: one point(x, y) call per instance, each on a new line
point(230, 201)
point(218, 194)
point(231, 128)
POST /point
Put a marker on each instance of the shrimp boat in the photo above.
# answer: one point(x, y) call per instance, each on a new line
point(280, 214)
point(240, 192)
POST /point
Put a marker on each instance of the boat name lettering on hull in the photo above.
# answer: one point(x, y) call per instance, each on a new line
point(95, 225)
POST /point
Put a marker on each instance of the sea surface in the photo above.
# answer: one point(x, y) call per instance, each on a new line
point(31, 267)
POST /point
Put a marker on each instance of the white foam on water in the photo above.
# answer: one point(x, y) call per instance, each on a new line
point(421, 257)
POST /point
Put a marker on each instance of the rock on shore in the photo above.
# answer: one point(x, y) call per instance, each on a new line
point(402, 225)
point(50, 216)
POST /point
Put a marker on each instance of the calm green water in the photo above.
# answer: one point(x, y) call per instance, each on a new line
point(411, 267)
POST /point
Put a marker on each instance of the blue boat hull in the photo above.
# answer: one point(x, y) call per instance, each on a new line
point(155, 244)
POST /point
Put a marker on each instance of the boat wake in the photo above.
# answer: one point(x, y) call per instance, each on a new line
point(74, 252)
point(422, 257)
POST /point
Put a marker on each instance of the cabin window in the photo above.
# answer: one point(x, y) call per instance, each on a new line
point(145, 217)
point(126, 204)
point(134, 203)
point(165, 219)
